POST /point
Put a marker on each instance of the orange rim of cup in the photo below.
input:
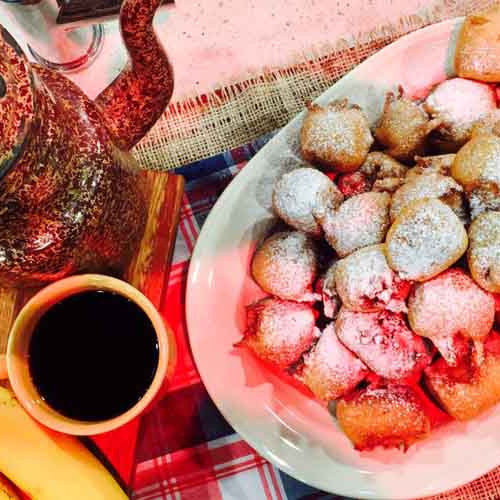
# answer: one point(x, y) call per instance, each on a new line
point(20, 337)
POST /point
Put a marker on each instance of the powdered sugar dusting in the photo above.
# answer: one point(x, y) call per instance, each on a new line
point(330, 370)
point(286, 266)
point(490, 172)
point(383, 341)
point(300, 192)
point(365, 282)
point(477, 167)
point(450, 304)
point(394, 396)
point(337, 135)
point(459, 103)
point(391, 416)
point(482, 199)
point(360, 221)
point(329, 133)
point(484, 250)
point(426, 239)
point(431, 185)
point(438, 164)
point(280, 331)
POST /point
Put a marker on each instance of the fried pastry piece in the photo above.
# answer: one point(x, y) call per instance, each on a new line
point(459, 103)
point(337, 136)
point(384, 173)
point(279, 331)
point(466, 399)
point(477, 169)
point(403, 127)
point(437, 164)
point(431, 185)
point(483, 255)
point(360, 221)
point(424, 240)
point(383, 342)
point(286, 266)
point(391, 416)
point(329, 369)
point(379, 173)
point(379, 165)
point(490, 124)
point(329, 296)
point(450, 305)
point(477, 53)
point(353, 183)
point(365, 282)
point(301, 192)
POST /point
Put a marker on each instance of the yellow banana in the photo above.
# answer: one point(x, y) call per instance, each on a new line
point(7, 492)
point(47, 465)
point(3, 367)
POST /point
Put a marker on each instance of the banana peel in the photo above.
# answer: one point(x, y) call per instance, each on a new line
point(47, 465)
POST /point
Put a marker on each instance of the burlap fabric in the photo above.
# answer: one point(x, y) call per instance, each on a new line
point(485, 488)
point(207, 125)
point(234, 115)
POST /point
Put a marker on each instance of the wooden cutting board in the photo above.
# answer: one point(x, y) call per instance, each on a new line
point(148, 271)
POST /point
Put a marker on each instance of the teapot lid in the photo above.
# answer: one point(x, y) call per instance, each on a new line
point(17, 101)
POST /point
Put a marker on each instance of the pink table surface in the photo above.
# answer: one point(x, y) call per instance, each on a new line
point(215, 42)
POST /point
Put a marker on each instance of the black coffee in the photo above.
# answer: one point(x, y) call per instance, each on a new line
point(93, 355)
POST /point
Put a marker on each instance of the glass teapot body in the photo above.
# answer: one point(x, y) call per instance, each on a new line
point(72, 198)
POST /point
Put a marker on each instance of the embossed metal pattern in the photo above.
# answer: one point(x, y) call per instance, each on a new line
point(72, 197)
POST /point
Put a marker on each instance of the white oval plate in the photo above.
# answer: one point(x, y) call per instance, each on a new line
point(289, 429)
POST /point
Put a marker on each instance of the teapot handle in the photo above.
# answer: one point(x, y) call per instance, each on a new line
point(135, 100)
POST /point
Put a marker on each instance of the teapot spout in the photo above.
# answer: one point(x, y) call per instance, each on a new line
point(138, 96)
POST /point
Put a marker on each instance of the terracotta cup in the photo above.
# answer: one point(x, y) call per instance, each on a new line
point(16, 359)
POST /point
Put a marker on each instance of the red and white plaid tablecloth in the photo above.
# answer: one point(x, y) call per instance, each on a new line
point(186, 449)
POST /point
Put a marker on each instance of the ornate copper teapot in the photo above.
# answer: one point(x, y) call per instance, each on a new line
point(71, 196)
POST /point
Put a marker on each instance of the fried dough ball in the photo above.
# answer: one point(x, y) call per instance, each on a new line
point(286, 266)
point(466, 399)
point(424, 240)
point(477, 54)
point(384, 172)
point(403, 127)
point(329, 296)
point(366, 283)
point(301, 192)
point(389, 185)
point(337, 136)
point(379, 173)
point(438, 164)
point(483, 255)
point(459, 103)
point(329, 369)
point(392, 416)
point(490, 124)
point(430, 185)
point(379, 165)
point(353, 183)
point(279, 331)
point(441, 165)
point(451, 305)
point(383, 342)
point(477, 169)
point(360, 221)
